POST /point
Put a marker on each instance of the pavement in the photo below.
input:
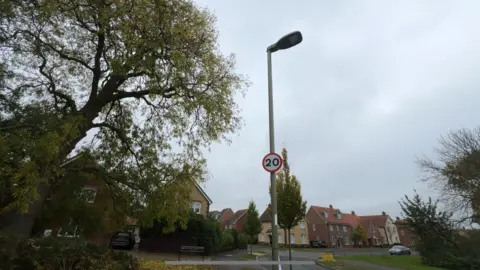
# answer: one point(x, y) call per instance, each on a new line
point(236, 256)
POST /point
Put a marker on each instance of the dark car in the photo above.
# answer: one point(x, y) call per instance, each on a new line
point(122, 240)
point(400, 250)
point(318, 244)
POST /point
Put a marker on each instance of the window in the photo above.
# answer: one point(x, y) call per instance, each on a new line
point(346, 240)
point(313, 227)
point(88, 194)
point(47, 233)
point(262, 238)
point(325, 213)
point(344, 228)
point(412, 242)
point(292, 238)
point(318, 237)
point(196, 206)
point(280, 238)
point(402, 232)
point(331, 227)
point(270, 226)
point(339, 215)
point(338, 229)
point(303, 238)
point(302, 225)
point(68, 231)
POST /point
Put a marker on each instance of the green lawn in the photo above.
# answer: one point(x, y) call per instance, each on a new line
point(248, 256)
point(401, 262)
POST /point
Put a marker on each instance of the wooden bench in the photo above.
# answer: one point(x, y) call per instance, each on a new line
point(192, 250)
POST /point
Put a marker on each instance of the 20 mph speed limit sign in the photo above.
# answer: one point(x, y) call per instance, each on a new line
point(272, 162)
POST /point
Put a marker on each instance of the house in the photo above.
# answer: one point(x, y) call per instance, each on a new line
point(223, 216)
point(238, 220)
point(331, 225)
point(199, 200)
point(373, 237)
point(84, 206)
point(406, 235)
point(298, 234)
point(386, 227)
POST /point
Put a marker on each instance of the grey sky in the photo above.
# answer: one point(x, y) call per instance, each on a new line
point(372, 87)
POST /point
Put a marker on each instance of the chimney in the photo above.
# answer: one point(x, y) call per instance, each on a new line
point(330, 206)
point(383, 213)
point(353, 213)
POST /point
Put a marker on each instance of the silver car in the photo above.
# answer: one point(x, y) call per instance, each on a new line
point(400, 250)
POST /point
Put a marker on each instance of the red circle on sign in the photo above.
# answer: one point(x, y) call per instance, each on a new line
point(279, 165)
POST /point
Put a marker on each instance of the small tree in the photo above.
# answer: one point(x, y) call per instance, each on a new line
point(438, 245)
point(291, 206)
point(253, 226)
point(359, 235)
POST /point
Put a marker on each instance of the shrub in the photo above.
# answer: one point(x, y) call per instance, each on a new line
point(228, 243)
point(60, 253)
point(242, 240)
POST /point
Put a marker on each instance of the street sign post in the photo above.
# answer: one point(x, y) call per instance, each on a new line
point(272, 162)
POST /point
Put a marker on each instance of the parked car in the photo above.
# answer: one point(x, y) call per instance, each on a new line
point(122, 240)
point(400, 250)
point(318, 244)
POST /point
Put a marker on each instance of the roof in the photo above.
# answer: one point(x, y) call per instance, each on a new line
point(203, 193)
point(380, 220)
point(266, 216)
point(348, 219)
point(220, 213)
point(237, 216)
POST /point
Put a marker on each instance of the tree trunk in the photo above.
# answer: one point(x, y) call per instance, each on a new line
point(289, 248)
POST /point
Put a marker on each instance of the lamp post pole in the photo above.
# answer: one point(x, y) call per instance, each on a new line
point(273, 180)
point(283, 43)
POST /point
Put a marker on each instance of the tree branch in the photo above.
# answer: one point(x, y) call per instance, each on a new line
point(58, 51)
point(97, 71)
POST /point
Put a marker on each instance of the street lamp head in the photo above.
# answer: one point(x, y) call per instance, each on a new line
point(286, 42)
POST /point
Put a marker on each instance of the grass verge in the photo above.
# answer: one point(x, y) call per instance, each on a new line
point(400, 262)
point(249, 256)
point(340, 265)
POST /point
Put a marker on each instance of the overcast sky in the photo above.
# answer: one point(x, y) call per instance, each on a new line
point(373, 86)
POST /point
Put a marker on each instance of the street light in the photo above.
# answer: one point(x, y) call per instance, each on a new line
point(283, 43)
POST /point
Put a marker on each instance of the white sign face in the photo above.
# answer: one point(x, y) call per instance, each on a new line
point(272, 162)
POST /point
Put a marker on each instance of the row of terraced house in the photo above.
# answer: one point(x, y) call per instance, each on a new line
point(329, 225)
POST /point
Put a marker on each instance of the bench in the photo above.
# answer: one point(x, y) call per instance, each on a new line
point(192, 249)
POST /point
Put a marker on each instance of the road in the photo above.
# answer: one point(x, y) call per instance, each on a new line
point(235, 256)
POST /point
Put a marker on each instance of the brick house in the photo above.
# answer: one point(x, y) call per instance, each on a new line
point(199, 201)
point(407, 237)
point(386, 227)
point(331, 225)
point(223, 217)
point(374, 238)
point(298, 234)
point(92, 196)
point(238, 220)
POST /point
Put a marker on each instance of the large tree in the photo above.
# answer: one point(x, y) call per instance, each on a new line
point(291, 206)
point(146, 81)
point(253, 226)
point(455, 173)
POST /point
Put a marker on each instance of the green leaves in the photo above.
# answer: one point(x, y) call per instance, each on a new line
point(291, 207)
point(253, 226)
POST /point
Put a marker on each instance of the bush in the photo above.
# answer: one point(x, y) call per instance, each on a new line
point(60, 253)
point(242, 240)
point(228, 243)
